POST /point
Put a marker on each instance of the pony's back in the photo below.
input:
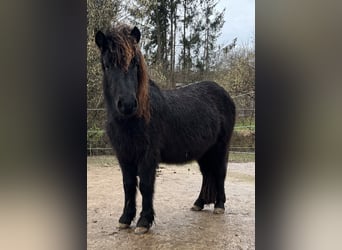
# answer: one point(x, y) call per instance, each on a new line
point(194, 118)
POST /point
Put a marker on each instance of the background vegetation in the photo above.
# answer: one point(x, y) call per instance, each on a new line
point(179, 41)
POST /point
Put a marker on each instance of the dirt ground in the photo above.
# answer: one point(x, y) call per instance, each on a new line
point(176, 227)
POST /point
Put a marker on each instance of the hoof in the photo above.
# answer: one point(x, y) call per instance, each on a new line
point(140, 230)
point(123, 226)
point(196, 208)
point(218, 210)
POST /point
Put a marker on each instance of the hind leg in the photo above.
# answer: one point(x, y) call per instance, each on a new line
point(213, 166)
point(200, 202)
point(220, 175)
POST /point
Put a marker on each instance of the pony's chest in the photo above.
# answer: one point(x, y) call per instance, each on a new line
point(128, 139)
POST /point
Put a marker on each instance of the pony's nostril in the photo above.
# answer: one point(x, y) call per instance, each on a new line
point(120, 104)
point(135, 104)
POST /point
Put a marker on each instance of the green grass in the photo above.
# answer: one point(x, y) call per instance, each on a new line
point(245, 121)
point(241, 157)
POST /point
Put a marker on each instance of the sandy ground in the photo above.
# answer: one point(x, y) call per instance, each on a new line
point(176, 227)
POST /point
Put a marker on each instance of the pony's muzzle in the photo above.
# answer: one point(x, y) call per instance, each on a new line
point(127, 106)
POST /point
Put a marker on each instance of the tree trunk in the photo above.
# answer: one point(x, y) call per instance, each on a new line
point(172, 41)
point(184, 36)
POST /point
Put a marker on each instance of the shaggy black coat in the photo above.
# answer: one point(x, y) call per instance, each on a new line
point(147, 126)
point(184, 124)
point(194, 122)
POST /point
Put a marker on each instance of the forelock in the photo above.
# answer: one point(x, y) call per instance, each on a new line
point(122, 46)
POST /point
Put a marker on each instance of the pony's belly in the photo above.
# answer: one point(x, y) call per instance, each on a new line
point(179, 156)
point(182, 149)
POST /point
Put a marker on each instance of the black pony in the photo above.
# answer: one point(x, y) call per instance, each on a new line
point(147, 125)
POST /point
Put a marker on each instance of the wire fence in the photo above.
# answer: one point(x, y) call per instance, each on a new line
point(243, 139)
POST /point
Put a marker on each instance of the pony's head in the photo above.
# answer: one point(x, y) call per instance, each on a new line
point(125, 77)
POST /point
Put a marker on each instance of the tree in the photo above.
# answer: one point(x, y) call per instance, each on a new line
point(236, 72)
point(189, 36)
point(100, 14)
point(213, 23)
point(160, 34)
point(173, 23)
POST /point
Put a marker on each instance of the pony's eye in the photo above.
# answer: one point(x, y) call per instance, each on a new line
point(135, 60)
point(105, 63)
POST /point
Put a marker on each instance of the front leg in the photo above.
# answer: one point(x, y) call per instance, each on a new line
point(147, 175)
point(130, 188)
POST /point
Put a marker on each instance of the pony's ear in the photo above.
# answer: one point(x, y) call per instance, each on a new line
point(101, 40)
point(136, 34)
